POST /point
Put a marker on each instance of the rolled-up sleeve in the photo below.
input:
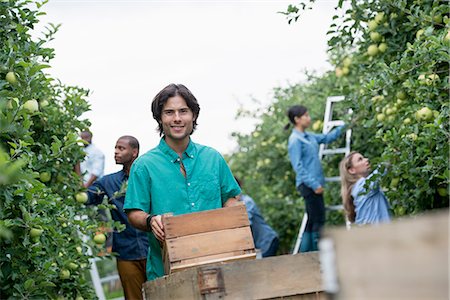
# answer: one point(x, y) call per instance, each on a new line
point(138, 194)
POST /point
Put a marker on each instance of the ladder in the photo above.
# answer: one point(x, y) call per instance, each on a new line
point(328, 125)
point(97, 281)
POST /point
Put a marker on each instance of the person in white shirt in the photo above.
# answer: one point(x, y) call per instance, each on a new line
point(92, 167)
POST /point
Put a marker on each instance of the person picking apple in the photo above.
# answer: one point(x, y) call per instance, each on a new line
point(303, 150)
point(131, 244)
point(362, 206)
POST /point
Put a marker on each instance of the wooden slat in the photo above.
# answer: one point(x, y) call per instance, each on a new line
point(205, 221)
point(407, 259)
point(209, 243)
point(211, 259)
point(273, 277)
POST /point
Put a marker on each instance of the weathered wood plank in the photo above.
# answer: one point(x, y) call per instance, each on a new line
point(274, 277)
point(407, 259)
point(205, 221)
point(209, 243)
point(212, 259)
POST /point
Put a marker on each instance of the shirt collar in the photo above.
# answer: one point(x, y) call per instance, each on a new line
point(298, 132)
point(191, 150)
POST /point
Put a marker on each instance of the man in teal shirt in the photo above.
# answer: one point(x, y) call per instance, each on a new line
point(178, 176)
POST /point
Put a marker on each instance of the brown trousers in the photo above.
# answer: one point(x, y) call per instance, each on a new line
point(132, 275)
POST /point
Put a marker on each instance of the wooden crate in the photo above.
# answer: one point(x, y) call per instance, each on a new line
point(219, 235)
point(407, 259)
point(287, 277)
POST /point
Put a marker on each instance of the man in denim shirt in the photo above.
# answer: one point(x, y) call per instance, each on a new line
point(264, 237)
point(131, 244)
point(303, 149)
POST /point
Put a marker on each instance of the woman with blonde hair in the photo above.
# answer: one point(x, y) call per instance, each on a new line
point(362, 204)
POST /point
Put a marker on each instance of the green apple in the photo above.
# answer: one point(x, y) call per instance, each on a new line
point(43, 103)
point(380, 117)
point(424, 114)
point(436, 113)
point(72, 266)
point(394, 182)
point(10, 105)
point(36, 232)
point(432, 78)
point(345, 70)
point(377, 98)
point(372, 25)
point(100, 238)
point(407, 121)
point(401, 95)
point(11, 78)
point(375, 36)
point(421, 78)
point(64, 274)
point(382, 47)
point(447, 37)
point(81, 197)
point(339, 72)
point(412, 136)
point(317, 126)
point(347, 62)
point(79, 249)
point(79, 298)
point(442, 191)
point(31, 105)
point(372, 50)
point(388, 111)
point(45, 177)
point(379, 17)
point(419, 33)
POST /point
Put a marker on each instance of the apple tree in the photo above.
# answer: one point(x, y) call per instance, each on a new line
point(261, 161)
point(391, 61)
point(397, 54)
point(43, 254)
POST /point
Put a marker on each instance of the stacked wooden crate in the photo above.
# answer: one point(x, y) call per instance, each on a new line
point(281, 277)
point(196, 239)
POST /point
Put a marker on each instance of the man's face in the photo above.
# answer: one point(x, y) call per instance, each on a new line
point(86, 137)
point(123, 153)
point(177, 119)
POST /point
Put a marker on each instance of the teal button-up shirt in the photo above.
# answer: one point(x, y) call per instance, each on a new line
point(157, 186)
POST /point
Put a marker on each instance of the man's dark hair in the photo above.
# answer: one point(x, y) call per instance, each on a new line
point(170, 91)
point(132, 141)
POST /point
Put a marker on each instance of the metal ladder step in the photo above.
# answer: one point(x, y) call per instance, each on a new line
point(334, 151)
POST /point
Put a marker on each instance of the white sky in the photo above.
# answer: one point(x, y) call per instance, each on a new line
point(225, 52)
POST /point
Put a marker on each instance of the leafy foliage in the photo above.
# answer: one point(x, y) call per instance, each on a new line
point(391, 62)
point(41, 228)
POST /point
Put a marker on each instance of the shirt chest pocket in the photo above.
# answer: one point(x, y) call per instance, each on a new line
point(209, 190)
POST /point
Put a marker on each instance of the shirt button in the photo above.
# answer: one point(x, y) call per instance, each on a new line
point(192, 204)
point(189, 184)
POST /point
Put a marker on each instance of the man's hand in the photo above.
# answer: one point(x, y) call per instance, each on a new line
point(233, 201)
point(319, 190)
point(157, 227)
